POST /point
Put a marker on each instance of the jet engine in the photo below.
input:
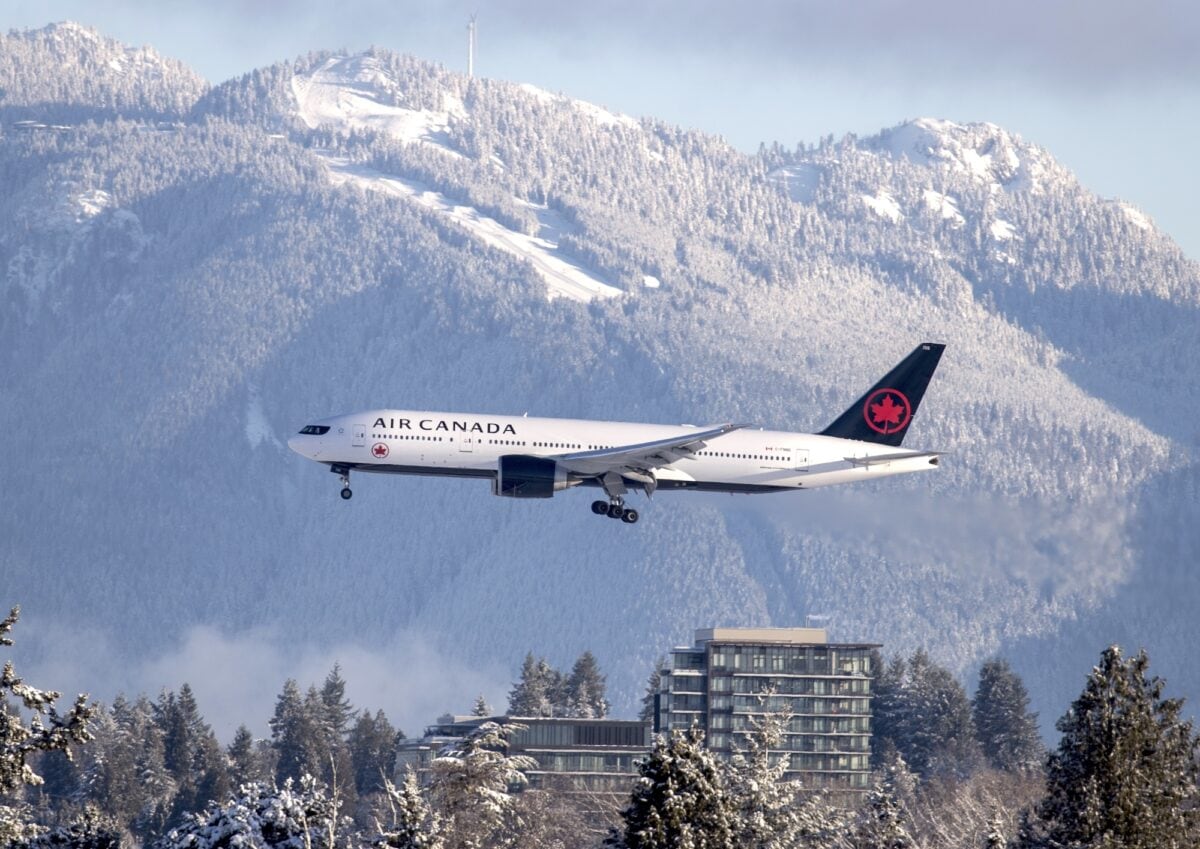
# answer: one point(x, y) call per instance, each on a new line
point(523, 476)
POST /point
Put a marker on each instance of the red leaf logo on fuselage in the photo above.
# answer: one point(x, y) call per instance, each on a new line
point(380, 450)
point(887, 411)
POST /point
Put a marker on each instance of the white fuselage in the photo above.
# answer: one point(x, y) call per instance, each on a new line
point(470, 445)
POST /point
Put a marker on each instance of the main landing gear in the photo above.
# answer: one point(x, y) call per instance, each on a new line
point(615, 509)
point(343, 474)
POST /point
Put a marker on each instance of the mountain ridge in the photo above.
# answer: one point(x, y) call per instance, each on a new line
point(224, 288)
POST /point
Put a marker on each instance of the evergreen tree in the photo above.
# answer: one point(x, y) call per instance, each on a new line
point(646, 713)
point(481, 707)
point(19, 741)
point(766, 813)
point(882, 822)
point(373, 742)
point(1006, 729)
point(585, 690)
point(246, 761)
point(328, 757)
point(178, 718)
point(126, 775)
point(297, 816)
point(471, 783)
point(60, 778)
point(531, 695)
point(557, 694)
point(889, 707)
point(212, 769)
point(996, 838)
point(191, 754)
point(922, 711)
point(92, 829)
point(679, 799)
point(940, 734)
point(298, 734)
point(339, 711)
point(1125, 772)
point(414, 825)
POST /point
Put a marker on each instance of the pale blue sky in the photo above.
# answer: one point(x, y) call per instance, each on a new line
point(1110, 87)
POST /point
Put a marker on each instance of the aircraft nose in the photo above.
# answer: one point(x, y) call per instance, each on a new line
point(294, 444)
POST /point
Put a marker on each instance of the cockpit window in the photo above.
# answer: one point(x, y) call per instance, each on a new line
point(315, 430)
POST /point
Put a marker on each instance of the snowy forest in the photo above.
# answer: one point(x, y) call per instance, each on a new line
point(951, 772)
point(191, 272)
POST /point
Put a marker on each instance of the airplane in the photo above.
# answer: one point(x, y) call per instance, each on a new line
point(527, 457)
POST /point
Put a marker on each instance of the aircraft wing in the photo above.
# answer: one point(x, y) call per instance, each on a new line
point(644, 456)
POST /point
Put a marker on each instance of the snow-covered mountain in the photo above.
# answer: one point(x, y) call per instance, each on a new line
point(191, 276)
point(68, 73)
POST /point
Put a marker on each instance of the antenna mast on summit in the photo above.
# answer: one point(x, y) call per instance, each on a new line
point(471, 46)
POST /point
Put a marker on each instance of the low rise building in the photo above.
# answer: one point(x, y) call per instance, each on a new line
point(574, 754)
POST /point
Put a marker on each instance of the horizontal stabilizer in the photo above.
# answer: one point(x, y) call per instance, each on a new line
point(881, 459)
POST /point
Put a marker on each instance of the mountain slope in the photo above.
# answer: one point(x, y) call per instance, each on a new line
point(66, 73)
point(339, 232)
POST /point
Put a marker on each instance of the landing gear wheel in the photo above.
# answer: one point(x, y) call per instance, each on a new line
point(630, 516)
point(615, 511)
point(600, 508)
point(343, 473)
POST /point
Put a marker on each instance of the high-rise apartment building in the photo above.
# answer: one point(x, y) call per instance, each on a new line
point(732, 677)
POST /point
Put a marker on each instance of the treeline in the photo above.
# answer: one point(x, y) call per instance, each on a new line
point(148, 764)
point(1126, 773)
point(545, 691)
point(923, 715)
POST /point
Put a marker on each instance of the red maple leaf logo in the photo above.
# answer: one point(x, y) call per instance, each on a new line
point(887, 416)
point(380, 450)
point(888, 412)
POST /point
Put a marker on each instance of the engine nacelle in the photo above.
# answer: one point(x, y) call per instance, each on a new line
point(523, 476)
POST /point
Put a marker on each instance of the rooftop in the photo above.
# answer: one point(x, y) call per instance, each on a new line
point(790, 636)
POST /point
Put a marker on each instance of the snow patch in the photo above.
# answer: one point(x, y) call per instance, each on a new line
point(1136, 217)
point(91, 203)
point(564, 277)
point(944, 205)
point(356, 92)
point(597, 113)
point(72, 29)
point(1002, 231)
point(650, 281)
point(603, 117)
point(984, 152)
point(539, 94)
point(884, 205)
point(799, 181)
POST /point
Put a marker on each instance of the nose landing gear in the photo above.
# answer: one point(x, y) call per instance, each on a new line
point(343, 474)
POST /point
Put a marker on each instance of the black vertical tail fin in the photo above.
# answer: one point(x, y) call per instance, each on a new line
point(885, 412)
